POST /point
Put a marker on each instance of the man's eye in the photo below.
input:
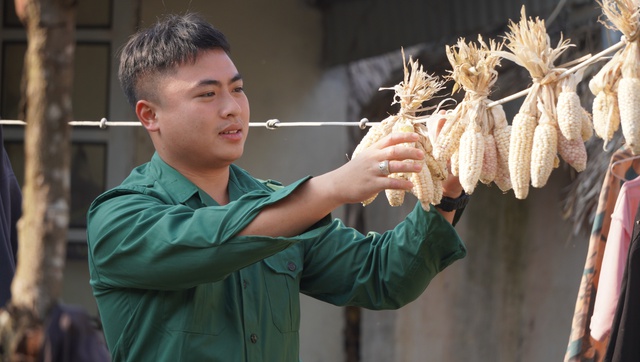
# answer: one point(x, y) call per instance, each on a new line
point(208, 94)
point(239, 89)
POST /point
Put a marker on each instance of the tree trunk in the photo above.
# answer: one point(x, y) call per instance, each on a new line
point(42, 230)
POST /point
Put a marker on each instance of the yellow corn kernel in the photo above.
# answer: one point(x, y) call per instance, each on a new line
point(629, 105)
point(489, 168)
point(543, 153)
point(573, 152)
point(470, 154)
point(569, 114)
point(522, 129)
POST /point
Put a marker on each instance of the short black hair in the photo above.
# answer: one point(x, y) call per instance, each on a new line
point(171, 41)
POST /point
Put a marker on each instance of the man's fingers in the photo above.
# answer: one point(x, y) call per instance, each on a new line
point(400, 152)
point(397, 138)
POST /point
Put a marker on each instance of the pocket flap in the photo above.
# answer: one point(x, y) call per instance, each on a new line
point(288, 261)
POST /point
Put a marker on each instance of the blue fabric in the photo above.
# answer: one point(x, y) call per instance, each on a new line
point(10, 212)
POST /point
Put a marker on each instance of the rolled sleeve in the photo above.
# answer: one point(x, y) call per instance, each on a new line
point(135, 232)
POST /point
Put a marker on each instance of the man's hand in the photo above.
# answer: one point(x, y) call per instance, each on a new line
point(361, 178)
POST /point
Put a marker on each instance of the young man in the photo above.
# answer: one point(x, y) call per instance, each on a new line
point(192, 259)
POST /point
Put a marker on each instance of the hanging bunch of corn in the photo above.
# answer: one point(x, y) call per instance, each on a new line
point(416, 88)
point(550, 113)
point(617, 84)
point(475, 139)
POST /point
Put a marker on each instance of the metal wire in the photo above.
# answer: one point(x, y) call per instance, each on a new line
point(273, 124)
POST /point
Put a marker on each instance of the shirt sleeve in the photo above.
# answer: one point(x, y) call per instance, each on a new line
point(380, 271)
point(137, 240)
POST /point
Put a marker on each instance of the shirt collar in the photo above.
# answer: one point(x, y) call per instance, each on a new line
point(182, 189)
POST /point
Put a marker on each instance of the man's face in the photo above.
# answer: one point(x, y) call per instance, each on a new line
point(202, 114)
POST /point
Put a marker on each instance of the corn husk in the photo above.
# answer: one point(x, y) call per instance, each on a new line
point(474, 72)
point(530, 46)
point(617, 85)
point(411, 93)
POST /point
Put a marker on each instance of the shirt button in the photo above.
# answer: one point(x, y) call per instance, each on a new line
point(291, 266)
point(245, 284)
point(254, 338)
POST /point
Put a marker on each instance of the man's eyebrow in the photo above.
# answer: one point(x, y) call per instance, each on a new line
point(218, 83)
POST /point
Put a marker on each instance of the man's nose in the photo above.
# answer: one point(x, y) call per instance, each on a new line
point(230, 106)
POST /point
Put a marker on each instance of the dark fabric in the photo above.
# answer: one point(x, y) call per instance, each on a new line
point(624, 343)
point(10, 212)
point(72, 336)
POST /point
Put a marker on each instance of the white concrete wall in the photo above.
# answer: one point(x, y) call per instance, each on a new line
point(511, 299)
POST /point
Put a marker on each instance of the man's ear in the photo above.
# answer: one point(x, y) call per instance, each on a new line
point(146, 113)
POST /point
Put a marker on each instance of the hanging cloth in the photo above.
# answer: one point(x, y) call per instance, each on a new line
point(615, 259)
point(10, 212)
point(625, 332)
point(582, 347)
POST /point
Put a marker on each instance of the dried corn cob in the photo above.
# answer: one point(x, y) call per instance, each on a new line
point(396, 197)
point(543, 152)
point(569, 109)
point(629, 104)
point(470, 154)
point(416, 88)
point(375, 133)
point(620, 77)
point(455, 164)
point(522, 130)
point(530, 47)
point(449, 138)
point(437, 194)
point(573, 152)
point(501, 137)
point(474, 71)
point(423, 187)
point(586, 131)
point(498, 117)
point(503, 178)
point(606, 115)
point(489, 160)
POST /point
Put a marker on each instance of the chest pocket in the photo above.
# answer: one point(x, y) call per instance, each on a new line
point(199, 310)
point(282, 281)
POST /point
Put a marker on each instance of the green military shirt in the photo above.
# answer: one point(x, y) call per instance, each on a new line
point(174, 282)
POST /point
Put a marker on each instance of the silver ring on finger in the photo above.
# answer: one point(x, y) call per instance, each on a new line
point(383, 166)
